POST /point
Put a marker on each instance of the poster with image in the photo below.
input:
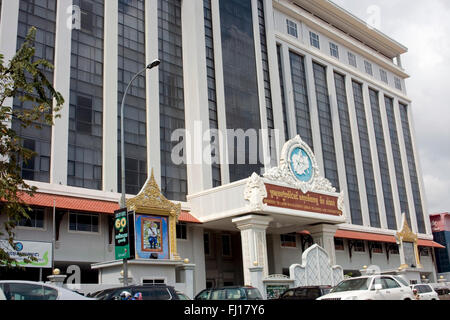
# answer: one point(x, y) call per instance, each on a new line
point(152, 237)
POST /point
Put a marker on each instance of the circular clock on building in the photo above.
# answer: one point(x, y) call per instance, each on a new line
point(301, 164)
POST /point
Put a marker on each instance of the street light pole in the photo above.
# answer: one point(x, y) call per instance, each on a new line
point(123, 204)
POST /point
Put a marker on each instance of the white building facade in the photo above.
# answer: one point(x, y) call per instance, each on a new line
point(283, 68)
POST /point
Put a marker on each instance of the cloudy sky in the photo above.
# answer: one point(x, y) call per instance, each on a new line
point(424, 28)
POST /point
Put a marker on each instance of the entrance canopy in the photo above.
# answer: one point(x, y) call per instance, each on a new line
point(293, 194)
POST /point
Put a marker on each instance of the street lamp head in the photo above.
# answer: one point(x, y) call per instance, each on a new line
point(155, 63)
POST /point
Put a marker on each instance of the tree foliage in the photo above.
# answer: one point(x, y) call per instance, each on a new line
point(23, 78)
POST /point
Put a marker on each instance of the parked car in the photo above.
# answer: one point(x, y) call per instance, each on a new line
point(425, 292)
point(375, 287)
point(230, 293)
point(149, 292)
point(30, 290)
point(443, 293)
point(305, 293)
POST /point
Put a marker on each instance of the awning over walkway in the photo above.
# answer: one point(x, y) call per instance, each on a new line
point(83, 204)
point(357, 235)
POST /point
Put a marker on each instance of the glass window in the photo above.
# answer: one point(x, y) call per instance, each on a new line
point(206, 242)
point(181, 231)
point(326, 125)
point(352, 285)
point(301, 101)
point(377, 247)
point(352, 59)
point(155, 294)
point(23, 291)
point(291, 28)
point(383, 160)
point(226, 245)
point(390, 283)
point(334, 50)
point(288, 240)
point(241, 86)
point(212, 94)
point(383, 75)
point(368, 67)
point(42, 16)
point(172, 112)
point(204, 295)
point(84, 222)
point(233, 294)
point(398, 83)
point(348, 148)
point(314, 39)
point(338, 244)
point(412, 167)
point(359, 246)
point(404, 206)
point(36, 219)
point(50, 293)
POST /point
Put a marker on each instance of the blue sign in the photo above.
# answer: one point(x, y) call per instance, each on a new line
point(301, 165)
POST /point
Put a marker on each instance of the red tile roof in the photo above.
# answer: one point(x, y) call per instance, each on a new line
point(381, 238)
point(83, 204)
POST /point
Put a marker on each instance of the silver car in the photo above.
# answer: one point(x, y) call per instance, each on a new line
point(30, 290)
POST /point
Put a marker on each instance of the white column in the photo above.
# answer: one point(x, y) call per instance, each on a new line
point(374, 155)
point(60, 130)
point(196, 97)
point(357, 150)
point(323, 235)
point(8, 35)
point(391, 164)
point(289, 91)
point(313, 112)
point(152, 91)
point(419, 173)
point(110, 97)
point(401, 142)
point(254, 244)
point(275, 86)
point(339, 150)
point(198, 253)
point(261, 90)
point(220, 93)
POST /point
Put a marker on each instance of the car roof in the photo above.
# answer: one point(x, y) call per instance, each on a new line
point(314, 287)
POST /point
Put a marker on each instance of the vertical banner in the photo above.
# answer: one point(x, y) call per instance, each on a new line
point(121, 234)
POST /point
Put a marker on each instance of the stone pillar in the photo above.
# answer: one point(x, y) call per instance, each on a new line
point(256, 280)
point(254, 245)
point(187, 271)
point(323, 235)
point(57, 280)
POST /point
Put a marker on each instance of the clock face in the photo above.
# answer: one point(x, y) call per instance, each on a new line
point(301, 165)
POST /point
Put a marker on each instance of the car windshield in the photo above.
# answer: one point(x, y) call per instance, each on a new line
point(352, 285)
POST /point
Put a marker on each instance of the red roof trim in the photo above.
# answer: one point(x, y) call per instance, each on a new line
point(381, 238)
point(364, 236)
point(83, 204)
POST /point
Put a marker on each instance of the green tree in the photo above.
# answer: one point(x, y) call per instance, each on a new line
point(22, 78)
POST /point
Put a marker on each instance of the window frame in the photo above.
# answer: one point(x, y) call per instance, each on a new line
point(292, 26)
point(98, 232)
point(368, 67)
point(44, 222)
point(283, 242)
point(230, 243)
point(338, 247)
point(384, 76)
point(181, 227)
point(352, 57)
point(334, 48)
point(313, 40)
